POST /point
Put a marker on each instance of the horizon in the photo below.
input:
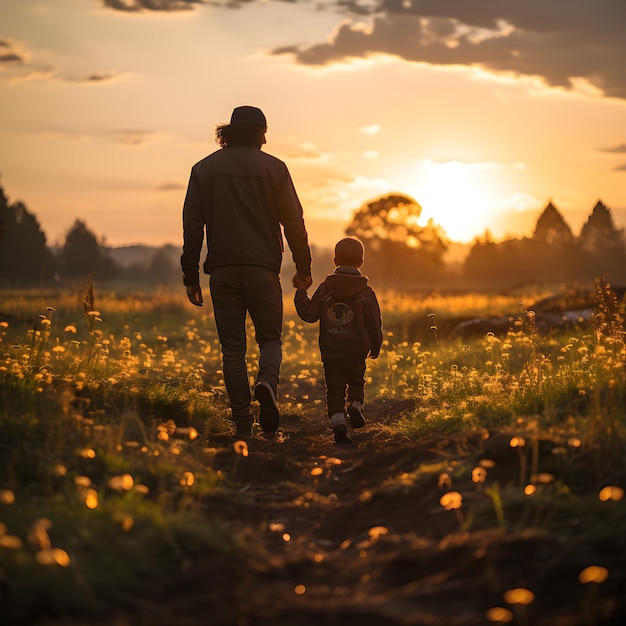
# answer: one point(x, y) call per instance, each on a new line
point(334, 230)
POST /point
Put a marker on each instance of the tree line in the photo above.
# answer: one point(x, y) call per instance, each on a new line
point(405, 254)
point(401, 253)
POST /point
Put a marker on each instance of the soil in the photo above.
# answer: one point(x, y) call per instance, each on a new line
point(353, 535)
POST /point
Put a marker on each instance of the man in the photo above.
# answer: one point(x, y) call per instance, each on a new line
point(240, 197)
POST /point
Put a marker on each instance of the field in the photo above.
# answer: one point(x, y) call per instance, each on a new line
point(487, 486)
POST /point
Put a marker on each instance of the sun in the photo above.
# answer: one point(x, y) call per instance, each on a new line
point(462, 198)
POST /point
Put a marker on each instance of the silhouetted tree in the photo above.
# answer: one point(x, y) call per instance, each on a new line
point(602, 249)
point(482, 261)
point(23, 252)
point(82, 254)
point(163, 269)
point(397, 246)
point(599, 231)
point(552, 252)
point(552, 229)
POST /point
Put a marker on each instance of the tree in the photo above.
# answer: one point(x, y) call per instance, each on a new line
point(551, 228)
point(23, 253)
point(552, 251)
point(482, 260)
point(599, 231)
point(82, 254)
point(163, 268)
point(397, 246)
point(602, 249)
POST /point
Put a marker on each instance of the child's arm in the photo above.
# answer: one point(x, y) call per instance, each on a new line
point(308, 308)
point(374, 325)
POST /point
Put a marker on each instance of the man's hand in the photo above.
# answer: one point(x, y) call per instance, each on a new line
point(302, 282)
point(194, 293)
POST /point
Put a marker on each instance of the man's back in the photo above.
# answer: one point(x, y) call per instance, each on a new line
point(243, 195)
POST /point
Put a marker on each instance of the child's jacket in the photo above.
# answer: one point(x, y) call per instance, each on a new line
point(349, 315)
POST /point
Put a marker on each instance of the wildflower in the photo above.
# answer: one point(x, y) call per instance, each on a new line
point(520, 595)
point(7, 496)
point(123, 482)
point(451, 500)
point(53, 556)
point(91, 498)
point(241, 447)
point(479, 475)
point(377, 531)
point(611, 493)
point(499, 614)
point(188, 479)
point(593, 574)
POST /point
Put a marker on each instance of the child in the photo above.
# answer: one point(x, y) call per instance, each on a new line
point(350, 331)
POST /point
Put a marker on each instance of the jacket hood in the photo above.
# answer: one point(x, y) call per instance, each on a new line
point(345, 282)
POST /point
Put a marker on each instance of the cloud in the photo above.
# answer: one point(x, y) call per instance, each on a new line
point(305, 151)
point(619, 149)
point(580, 42)
point(131, 138)
point(15, 60)
point(134, 137)
point(98, 78)
point(60, 134)
point(373, 129)
point(620, 168)
point(171, 187)
point(135, 6)
point(10, 55)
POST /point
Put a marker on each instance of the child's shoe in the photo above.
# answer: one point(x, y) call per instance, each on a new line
point(341, 434)
point(355, 415)
point(340, 428)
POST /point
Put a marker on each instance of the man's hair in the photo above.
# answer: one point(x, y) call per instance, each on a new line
point(349, 251)
point(240, 135)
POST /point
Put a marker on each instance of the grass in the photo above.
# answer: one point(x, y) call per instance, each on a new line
point(108, 401)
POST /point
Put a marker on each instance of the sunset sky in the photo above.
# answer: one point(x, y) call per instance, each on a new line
point(481, 110)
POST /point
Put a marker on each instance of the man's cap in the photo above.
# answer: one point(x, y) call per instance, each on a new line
point(248, 115)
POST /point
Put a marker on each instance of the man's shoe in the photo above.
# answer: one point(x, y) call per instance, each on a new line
point(269, 416)
point(355, 415)
point(341, 434)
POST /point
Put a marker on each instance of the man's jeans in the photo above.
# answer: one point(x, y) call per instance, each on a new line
point(235, 291)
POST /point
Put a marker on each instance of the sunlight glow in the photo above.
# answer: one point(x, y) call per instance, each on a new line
point(461, 197)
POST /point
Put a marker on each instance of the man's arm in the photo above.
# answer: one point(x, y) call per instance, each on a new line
point(291, 216)
point(193, 233)
point(302, 282)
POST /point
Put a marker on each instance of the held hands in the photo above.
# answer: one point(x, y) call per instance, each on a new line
point(302, 282)
point(194, 293)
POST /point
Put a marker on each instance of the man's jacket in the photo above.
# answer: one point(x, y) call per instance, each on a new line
point(349, 315)
point(240, 197)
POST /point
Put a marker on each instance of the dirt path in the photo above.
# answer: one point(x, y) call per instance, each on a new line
point(354, 535)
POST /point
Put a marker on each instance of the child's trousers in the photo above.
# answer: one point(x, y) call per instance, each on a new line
point(345, 383)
